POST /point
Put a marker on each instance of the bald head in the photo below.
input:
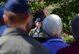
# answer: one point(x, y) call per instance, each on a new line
point(52, 25)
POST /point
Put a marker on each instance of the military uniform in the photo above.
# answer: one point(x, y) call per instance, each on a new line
point(38, 32)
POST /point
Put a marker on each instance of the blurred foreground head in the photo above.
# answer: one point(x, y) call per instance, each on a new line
point(16, 13)
point(52, 25)
point(75, 26)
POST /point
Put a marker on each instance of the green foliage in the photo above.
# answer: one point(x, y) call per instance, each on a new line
point(68, 38)
point(34, 6)
point(2, 1)
point(66, 11)
point(48, 2)
point(68, 8)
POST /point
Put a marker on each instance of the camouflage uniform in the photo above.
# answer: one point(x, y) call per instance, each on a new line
point(37, 32)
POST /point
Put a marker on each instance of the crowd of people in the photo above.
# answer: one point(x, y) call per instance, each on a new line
point(19, 36)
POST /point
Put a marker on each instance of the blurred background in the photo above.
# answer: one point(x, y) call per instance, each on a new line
point(66, 9)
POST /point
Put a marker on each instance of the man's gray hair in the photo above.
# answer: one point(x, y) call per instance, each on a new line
point(52, 25)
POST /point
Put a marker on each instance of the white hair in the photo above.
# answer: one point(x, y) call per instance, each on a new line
point(52, 24)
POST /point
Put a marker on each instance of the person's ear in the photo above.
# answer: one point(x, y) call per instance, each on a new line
point(5, 17)
point(29, 18)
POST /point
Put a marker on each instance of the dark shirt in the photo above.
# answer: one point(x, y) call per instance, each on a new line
point(72, 49)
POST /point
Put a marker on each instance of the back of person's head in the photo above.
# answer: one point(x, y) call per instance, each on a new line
point(75, 26)
point(16, 11)
point(52, 25)
point(39, 14)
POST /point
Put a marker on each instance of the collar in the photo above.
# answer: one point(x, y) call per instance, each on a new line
point(14, 31)
point(56, 39)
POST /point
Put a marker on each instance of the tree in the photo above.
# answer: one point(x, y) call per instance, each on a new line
point(67, 9)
